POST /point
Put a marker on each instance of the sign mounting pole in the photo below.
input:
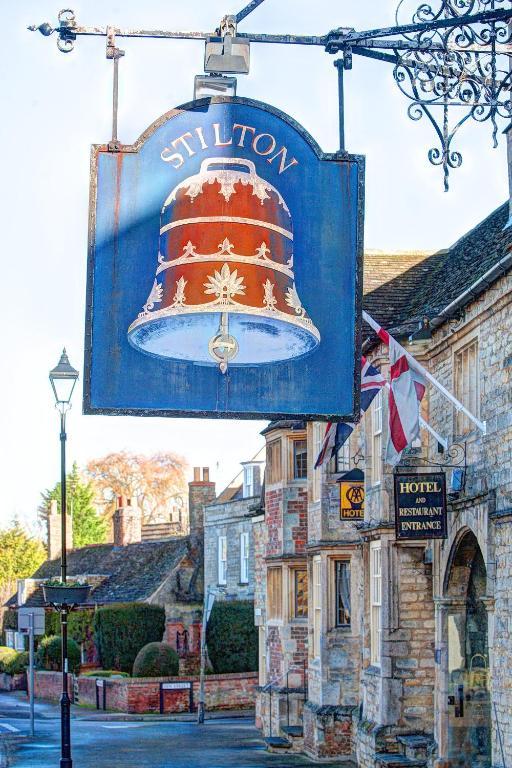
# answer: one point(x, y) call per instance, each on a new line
point(468, 45)
point(31, 669)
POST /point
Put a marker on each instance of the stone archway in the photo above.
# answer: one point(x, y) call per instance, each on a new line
point(465, 626)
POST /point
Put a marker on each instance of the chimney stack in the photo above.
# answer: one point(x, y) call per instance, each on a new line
point(127, 523)
point(54, 531)
point(201, 492)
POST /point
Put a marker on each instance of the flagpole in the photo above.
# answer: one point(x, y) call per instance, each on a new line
point(418, 367)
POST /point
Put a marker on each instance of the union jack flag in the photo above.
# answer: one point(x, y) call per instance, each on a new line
point(336, 434)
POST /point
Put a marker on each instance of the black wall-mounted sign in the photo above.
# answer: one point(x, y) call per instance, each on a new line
point(420, 506)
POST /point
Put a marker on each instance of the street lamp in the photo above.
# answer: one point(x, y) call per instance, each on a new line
point(63, 379)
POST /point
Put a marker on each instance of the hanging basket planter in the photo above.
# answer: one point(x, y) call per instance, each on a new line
point(64, 594)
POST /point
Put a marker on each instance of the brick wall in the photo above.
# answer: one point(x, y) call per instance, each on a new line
point(139, 695)
point(274, 521)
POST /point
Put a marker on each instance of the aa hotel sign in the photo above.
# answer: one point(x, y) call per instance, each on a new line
point(224, 269)
point(420, 506)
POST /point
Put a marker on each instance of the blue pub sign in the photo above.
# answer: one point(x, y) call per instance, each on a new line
point(224, 272)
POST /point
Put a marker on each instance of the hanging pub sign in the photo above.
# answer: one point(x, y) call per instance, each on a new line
point(224, 273)
point(420, 506)
point(352, 495)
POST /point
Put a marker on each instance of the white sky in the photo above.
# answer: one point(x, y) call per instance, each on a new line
point(55, 105)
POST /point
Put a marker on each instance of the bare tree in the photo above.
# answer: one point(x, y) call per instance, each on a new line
point(156, 482)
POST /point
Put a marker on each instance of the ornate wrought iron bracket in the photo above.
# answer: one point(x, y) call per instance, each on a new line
point(455, 457)
point(450, 54)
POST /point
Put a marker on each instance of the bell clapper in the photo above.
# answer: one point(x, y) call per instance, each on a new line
point(223, 347)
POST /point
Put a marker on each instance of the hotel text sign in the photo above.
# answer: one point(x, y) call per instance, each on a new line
point(224, 272)
point(420, 506)
point(351, 500)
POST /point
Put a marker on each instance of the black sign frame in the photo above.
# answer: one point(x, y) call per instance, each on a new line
point(430, 498)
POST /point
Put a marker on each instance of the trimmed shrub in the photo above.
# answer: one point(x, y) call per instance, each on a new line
point(121, 630)
point(105, 673)
point(14, 663)
point(232, 638)
point(48, 654)
point(5, 651)
point(156, 660)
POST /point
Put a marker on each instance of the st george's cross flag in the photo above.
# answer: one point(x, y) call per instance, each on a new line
point(336, 434)
point(406, 390)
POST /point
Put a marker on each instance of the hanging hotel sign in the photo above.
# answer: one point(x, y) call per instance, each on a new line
point(420, 506)
point(224, 273)
point(352, 501)
point(352, 495)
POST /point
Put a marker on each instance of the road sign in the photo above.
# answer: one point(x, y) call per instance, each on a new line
point(24, 619)
point(224, 270)
point(176, 686)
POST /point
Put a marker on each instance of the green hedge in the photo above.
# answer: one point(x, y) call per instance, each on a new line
point(80, 624)
point(48, 654)
point(232, 638)
point(120, 631)
point(13, 662)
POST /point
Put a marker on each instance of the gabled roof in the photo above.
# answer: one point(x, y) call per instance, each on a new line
point(130, 573)
point(390, 280)
point(402, 289)
point(284, 424)
point(231, 493)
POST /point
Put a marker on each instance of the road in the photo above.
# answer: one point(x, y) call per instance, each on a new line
point(219, 743)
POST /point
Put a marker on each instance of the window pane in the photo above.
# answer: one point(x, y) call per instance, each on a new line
point(274, 461)
point(300, 594)
point(342, 593)
point(317, 605)
point(274, 593)
point(342, 463)
point(300, 459)
point(244, 557)
point(222, 560)
point(375, 600)
point(466, 381)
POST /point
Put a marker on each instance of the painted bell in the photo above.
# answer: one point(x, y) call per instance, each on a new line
point(224, 291)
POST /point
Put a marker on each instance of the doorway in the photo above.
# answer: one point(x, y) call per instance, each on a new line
point(469, 703)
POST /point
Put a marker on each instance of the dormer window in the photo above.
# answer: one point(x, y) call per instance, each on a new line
point(248, 481)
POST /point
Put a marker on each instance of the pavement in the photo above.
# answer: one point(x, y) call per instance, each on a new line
point(121, 741)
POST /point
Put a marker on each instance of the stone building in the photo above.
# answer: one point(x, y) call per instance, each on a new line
point(407, 643)
point(281, 591)
point(144, 563)
point(228, 538)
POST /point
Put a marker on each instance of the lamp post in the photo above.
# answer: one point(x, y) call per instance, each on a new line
point(63, 379)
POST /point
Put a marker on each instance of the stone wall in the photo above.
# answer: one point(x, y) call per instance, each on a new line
point(501, 656)
point(484, 507)
point(229, 519)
